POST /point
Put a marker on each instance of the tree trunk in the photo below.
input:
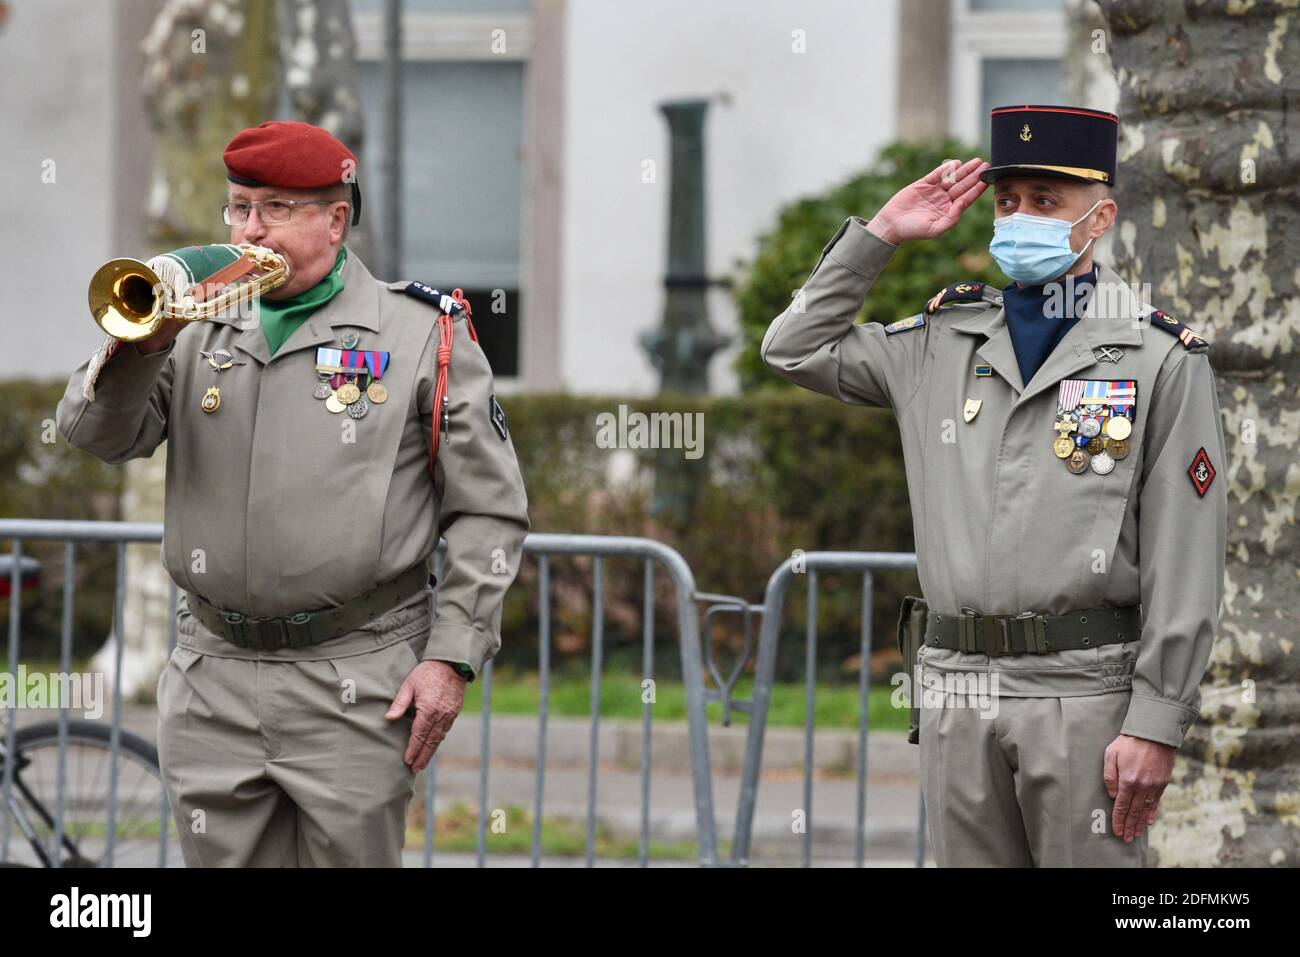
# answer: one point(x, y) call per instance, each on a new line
point(211, 70)
point(318, 50)
point(1209, 217)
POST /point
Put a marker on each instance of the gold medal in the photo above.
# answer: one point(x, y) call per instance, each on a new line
point(376, 393)
point(211, 400)
point(1095, 445)
point(347, 394)
point(334, 404)
point(1063, 447)
point(1118, 448)
point(1118, 427)
point(1077, 463)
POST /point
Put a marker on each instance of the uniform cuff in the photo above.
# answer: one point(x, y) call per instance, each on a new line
point(1158, 719)
point(140, 368)
point(453, 642)
point(859, 249)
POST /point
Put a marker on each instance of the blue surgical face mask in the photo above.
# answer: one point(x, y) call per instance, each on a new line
point(1034, 249)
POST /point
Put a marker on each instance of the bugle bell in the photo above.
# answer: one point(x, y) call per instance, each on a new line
point(130, 301)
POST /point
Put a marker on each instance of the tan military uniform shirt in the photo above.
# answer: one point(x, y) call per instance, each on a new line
point(1002, 527)
point(275, 506)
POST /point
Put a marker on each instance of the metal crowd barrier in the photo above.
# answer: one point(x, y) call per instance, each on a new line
point(769, 638)
point(542, 546)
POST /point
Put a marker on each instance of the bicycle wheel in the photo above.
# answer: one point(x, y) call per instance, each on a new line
point(142, 833)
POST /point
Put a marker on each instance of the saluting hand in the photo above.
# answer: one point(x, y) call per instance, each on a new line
point(438, 693)
point(932, 205)
point(1136, 773)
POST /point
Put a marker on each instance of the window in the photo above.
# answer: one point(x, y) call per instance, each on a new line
point(1008, 81)
point(1017, 6)
point(462, 153)
point(1004, 52)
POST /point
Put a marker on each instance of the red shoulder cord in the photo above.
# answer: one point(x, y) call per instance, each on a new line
point(446, 335)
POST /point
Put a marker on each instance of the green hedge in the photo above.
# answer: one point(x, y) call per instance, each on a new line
point(780, 472)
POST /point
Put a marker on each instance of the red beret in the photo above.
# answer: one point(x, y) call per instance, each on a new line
point(293, 155)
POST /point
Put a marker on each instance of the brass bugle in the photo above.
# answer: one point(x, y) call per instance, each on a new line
point(129, 301)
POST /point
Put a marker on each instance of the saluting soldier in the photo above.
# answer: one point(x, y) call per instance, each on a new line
point(312, 677)
point(1061, 439)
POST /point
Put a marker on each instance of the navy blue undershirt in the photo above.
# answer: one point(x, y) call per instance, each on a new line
point(1034, 334)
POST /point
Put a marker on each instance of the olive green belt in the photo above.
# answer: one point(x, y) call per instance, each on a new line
point(308, 627)
point(1032, 634)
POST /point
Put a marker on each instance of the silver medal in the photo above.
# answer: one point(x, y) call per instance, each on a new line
point(1102, 463)
point(358, 408)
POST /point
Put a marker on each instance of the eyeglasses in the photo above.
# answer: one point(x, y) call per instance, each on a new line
point(271, 210)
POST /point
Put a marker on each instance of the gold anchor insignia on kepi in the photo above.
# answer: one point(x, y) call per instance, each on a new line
point(211, 400)
point(1025, 134)
point(971, 409)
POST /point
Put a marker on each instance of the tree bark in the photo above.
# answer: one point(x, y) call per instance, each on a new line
point(210, 70)
point(318, 51)
point(1209, 218)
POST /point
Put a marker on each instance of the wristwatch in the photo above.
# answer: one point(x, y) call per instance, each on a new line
point(462, 669)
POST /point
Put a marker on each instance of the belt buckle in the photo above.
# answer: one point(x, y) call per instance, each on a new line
point(996, 636)
point(269, 633)
point(1004, 631)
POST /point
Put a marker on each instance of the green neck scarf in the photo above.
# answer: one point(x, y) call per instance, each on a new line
point(281, 318)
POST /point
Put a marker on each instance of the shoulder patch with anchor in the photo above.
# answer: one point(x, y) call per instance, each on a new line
point(1190, 340)
point(963, 292)
point(440, 300)
point(498, 416)
point(902, 325)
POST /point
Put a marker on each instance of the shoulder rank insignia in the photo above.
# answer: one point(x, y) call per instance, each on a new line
point(902, 325)
point(1190, 340)
point(962, 292)
point(444, 301)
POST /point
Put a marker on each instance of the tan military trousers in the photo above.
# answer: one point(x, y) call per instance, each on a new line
point(284, 758)
point(1023, 787)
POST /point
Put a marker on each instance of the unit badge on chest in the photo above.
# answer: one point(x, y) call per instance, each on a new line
point(221, 359)
point(1094, 419)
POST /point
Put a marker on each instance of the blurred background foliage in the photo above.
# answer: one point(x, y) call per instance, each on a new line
point(47, 478)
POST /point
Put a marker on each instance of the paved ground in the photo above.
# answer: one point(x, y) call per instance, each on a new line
point(891, 808)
